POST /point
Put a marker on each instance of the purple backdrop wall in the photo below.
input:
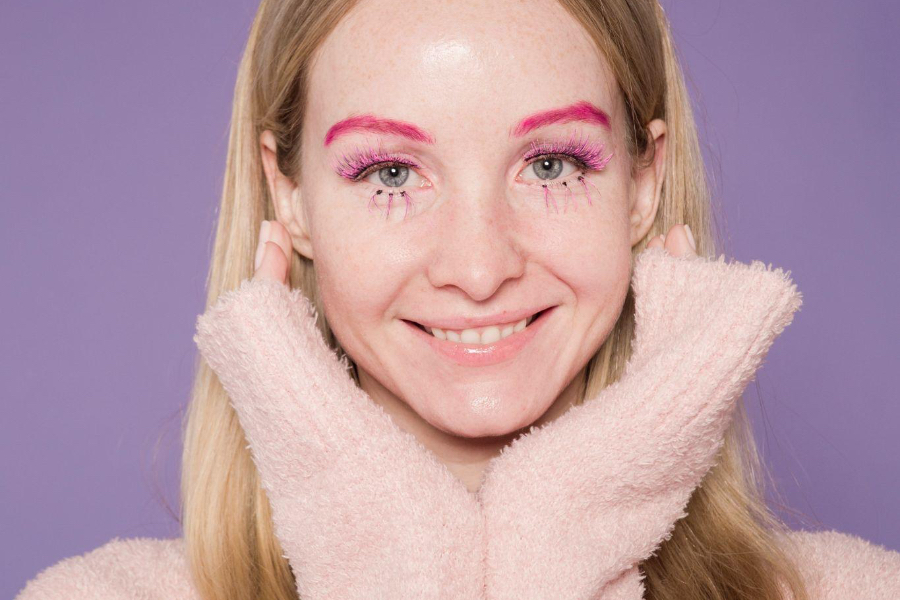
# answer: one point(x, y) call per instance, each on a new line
point(114, 120)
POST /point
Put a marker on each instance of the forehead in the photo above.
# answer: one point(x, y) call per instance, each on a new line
point(455, 68)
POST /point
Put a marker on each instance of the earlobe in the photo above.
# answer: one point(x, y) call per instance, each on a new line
point(290, 214)
point(286, 196)
point(648, 183)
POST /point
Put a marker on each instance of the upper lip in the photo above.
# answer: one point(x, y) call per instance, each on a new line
point(461, 323)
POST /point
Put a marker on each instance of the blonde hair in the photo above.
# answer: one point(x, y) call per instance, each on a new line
point(727, 547)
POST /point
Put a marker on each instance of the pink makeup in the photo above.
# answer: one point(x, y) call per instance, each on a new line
point(374, 124)
point(588, 154)
point(579, 111)
point(361, 162)
point(585, 155)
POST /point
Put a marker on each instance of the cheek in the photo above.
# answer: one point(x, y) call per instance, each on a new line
point(358, 273)
point(588, 251)
point(591, 257)
point(597, 274)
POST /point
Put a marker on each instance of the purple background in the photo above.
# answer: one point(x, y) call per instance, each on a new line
point(114, 120)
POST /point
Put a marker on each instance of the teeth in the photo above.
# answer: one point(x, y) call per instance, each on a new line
point(483, 335)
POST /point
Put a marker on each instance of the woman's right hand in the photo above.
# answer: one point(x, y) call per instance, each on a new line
point(360, 507)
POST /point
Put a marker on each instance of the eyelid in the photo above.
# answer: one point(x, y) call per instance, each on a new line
point(560, 155)
point(372, 168)
point(581, 150)
point(360, 162)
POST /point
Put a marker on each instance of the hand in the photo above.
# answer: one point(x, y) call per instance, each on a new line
point(678, 242)
point(361, 508)
point(573, 506)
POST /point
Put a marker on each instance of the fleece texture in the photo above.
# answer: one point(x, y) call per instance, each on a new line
point(566, 511)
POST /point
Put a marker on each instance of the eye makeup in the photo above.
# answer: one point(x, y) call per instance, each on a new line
point(586, 153)
point(583, 153)
point(359, 163)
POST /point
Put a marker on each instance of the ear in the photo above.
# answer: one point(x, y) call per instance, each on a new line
point(647, 184)
point(286, 197)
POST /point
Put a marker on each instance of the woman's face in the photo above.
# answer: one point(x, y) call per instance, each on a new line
point(445, 105)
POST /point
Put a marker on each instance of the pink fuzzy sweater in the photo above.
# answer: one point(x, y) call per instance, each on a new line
point(567, 511)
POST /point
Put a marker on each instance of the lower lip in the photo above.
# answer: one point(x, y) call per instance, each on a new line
point(480, 355)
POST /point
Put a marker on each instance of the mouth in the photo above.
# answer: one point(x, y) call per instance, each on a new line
point(483, 346)
point(481, 335)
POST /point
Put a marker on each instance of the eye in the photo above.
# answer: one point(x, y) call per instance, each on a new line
point(378, 167)
point(547, 159)
point(550, 167)
point(389, 175)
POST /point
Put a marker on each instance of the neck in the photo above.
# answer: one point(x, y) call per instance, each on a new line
point(465, 457)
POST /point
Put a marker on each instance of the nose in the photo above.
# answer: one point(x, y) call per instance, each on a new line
point(475, 246)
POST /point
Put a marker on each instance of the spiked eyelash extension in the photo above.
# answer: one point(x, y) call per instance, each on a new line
point(548, 196)
point(406, 196)
point(589, 157)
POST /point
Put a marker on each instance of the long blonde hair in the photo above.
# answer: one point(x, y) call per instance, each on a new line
point(726, 548)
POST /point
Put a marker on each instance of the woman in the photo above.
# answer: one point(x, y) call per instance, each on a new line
point(480, 346)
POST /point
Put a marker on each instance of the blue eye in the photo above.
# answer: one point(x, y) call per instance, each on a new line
point(547, 168)
point(393, 175)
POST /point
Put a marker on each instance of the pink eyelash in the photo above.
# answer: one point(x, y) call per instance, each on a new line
point(404, 194)
point(548, 196)
point(355, 165)
point(586, 154)
point(589, 154)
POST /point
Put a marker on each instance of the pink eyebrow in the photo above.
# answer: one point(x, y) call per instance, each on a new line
point(579, 111)
point(377, 125)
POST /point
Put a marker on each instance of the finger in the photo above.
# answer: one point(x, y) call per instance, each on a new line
point(677, 243)
point(278, 233)
point(274, 260)
point(274, 264)
point(657, 242)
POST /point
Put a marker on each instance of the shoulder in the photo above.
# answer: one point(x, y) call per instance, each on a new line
point(839, 565)
point(146, 568)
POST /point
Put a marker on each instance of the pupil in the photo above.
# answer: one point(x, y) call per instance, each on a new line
point(548, 168)
point(393, 176)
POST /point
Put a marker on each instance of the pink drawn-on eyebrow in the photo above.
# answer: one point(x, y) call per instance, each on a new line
point(377, 125)
point(579, 111)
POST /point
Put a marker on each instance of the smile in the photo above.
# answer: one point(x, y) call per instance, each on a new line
point(484, 345)
point(480, 335)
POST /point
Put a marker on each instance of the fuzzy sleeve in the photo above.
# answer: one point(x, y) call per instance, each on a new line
point(121, 569)
point(840, 566)
point(360, 507)
point(573, 506)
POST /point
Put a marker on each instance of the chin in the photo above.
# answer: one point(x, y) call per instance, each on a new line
point(481, 418)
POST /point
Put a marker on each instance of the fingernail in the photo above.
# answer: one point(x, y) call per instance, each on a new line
point(690, 236)
point(263, 238)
